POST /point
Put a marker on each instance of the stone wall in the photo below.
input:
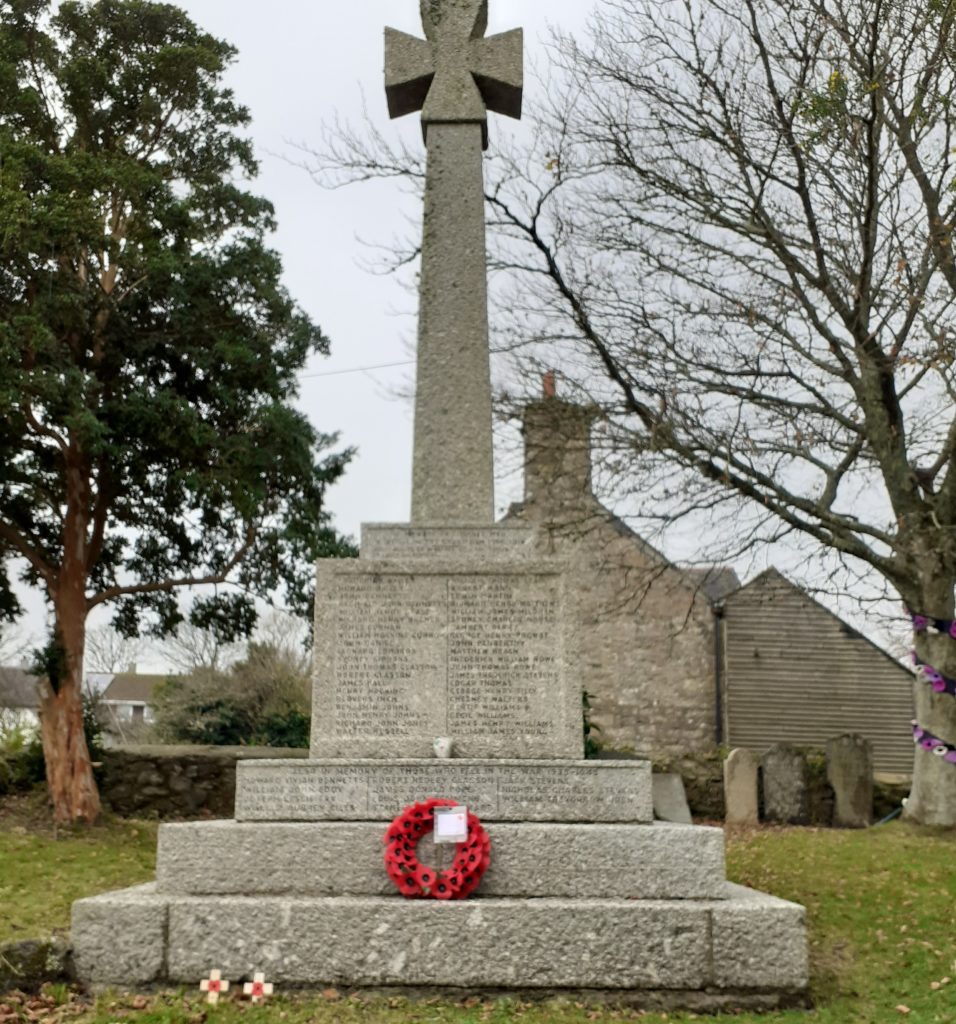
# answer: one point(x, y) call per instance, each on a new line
point(176, 782)
point(200, 782)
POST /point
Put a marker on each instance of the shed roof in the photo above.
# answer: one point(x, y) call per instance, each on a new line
point(131, 686)
point(19, 689)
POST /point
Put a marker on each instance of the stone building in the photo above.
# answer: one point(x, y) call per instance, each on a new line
point(679, 660)
point(647, 626)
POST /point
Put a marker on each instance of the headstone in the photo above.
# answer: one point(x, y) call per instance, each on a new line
point(850, 773)
point(784, 773)
point(741, 788)
point(670, 799)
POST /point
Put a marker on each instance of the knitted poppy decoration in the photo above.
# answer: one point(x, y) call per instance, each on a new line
point(417, 881)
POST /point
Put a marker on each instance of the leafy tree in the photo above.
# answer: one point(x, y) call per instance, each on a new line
point(148, 351)
point(733, 231)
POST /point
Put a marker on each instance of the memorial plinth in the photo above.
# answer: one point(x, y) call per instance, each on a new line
point(452, 629)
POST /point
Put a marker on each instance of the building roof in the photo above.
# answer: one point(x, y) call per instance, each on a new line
point(19, 689)
point(130, 686)
point(716, 581)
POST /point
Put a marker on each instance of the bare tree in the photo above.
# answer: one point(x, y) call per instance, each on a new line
point(193, 648)
point(14, 647)
point(288, 636)
point(107, 650)
point(733, 231)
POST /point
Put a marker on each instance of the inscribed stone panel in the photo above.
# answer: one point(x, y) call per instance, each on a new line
point(408, 652)
point(376, 790)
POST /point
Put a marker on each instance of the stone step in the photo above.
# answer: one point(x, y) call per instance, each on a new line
point(747, 950)
point(660, 861)
point(510, 790)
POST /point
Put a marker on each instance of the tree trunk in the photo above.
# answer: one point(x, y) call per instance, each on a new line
point(69, 772)
point(933, 796)
point(932, 799)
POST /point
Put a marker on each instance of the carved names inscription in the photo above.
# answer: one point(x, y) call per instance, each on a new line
point(502, 791)
point(502, 656)
point(442, 653)
point(389, 655)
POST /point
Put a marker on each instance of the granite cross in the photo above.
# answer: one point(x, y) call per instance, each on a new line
point(454, 76)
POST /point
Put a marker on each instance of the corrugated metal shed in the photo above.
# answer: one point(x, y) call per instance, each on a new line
point(796, 673)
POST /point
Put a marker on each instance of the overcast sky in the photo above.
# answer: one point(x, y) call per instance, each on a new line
point(301, 65)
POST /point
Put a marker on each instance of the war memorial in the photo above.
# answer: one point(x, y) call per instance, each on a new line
point(444, 668)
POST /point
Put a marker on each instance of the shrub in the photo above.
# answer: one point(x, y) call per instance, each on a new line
point(263, 700)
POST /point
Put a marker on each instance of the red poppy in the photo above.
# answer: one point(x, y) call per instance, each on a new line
point(441, 890)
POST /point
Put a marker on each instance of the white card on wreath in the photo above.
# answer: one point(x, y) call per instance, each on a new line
point(451, 824)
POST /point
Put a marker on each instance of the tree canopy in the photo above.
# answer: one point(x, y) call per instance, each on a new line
point(148, 349)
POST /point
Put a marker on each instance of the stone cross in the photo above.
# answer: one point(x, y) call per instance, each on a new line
point(454, 76)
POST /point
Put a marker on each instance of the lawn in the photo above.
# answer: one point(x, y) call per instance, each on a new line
point(881, 903)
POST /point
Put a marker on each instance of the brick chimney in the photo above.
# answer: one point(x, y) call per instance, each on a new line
point(557, 462)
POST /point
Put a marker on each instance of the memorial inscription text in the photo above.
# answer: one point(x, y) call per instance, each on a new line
point(457, 654)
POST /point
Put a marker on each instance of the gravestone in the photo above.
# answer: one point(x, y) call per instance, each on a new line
point(449, 628)
point(670, 799)
point(785, 792)
point(850, 773)
point(741, 788)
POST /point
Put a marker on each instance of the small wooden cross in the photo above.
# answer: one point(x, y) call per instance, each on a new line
point(258, 988)
point(213, 986)
point(455, 75)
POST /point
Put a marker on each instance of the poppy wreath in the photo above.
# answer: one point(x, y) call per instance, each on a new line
point(416, 881)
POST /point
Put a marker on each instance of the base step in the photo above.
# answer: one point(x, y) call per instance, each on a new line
point(746, 943)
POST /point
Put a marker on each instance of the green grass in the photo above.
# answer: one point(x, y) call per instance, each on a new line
point(42, 873)
point(881, 904)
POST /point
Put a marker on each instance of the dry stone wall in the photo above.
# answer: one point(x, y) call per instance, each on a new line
point(176, 782)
